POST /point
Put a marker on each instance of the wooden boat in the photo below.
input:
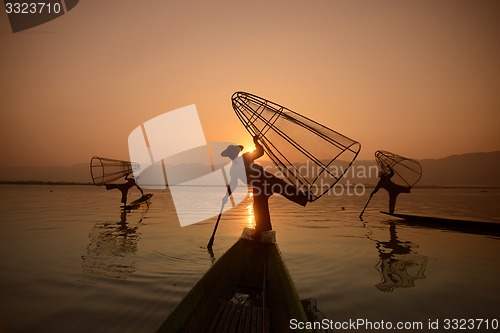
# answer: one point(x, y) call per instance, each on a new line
point(248, 289)
point(144, 200)
point(473, 227)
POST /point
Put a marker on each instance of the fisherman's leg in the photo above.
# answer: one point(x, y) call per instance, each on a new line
point(289, 191)
point(403, 189)
point(392, 202)
point(293, 194)
point(124, 197)
point(393, 194)
point(261, 213)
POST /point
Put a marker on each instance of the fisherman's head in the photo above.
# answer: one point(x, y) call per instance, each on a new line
point(232, 151)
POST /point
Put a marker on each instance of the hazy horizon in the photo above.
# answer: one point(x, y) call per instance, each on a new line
point(262, 160)
point(453, 170)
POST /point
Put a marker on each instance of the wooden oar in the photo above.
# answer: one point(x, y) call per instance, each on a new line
point(361, 215)
point(224, 200)
point(211, 241)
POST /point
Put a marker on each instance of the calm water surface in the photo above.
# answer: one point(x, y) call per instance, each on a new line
point(72, 262)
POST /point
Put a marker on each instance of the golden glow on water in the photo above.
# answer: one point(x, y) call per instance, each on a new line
point(251, 217)
point(330, 255)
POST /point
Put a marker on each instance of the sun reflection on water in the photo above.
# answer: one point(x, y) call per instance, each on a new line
point(250, 218)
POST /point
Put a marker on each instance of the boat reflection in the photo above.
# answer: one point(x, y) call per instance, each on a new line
point(111, 248)
point(399, 265)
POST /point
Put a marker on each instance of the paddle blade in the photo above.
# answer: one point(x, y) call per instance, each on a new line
point(210, 243)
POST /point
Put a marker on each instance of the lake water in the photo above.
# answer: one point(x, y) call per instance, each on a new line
point(71, 262)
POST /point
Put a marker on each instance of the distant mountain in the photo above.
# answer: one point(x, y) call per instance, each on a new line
point(474, 169)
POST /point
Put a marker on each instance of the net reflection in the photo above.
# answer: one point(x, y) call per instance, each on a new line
point(399, 265)
point(111, 248)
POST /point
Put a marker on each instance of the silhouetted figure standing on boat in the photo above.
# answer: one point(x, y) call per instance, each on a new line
point(393, 189)
point(124, 188)
point(264, 184)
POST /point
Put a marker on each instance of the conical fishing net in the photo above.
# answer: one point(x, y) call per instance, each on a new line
point(106, 170)
point(407, 171)
point(307, 154)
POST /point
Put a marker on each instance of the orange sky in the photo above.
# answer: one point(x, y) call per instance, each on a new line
point(419, 78)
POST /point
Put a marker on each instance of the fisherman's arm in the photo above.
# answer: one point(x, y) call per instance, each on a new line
point(259, 149)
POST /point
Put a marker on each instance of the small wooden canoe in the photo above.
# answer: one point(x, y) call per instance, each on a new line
point(467, 226)
point(248, 289)
point(144, 200)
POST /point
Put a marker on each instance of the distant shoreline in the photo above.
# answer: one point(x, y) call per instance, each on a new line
point(40, 182)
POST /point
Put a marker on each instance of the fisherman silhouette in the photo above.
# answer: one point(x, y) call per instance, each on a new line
point(393, 189)
point(124, 188)
point(264, 184)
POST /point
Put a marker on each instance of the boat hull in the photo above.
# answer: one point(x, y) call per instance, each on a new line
point(467, 226)
point(248, 289)
point(144, 200)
